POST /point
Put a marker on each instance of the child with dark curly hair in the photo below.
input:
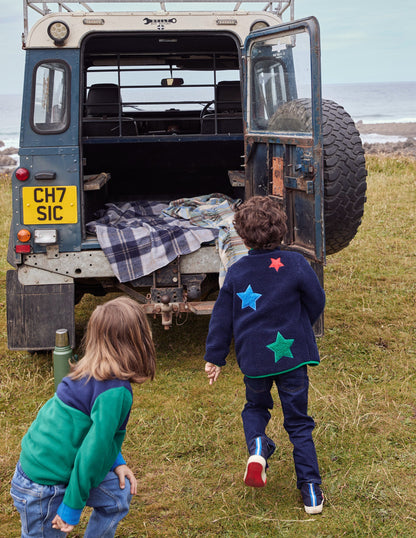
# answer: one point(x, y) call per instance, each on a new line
point(269, 301)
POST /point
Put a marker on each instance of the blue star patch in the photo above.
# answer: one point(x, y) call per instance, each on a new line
point(249, 298)
point(281, 347)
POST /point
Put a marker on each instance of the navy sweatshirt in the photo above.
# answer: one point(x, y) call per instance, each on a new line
point(269, 302)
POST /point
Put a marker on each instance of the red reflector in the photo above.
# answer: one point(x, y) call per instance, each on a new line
point(22, 249)
point(22, 174)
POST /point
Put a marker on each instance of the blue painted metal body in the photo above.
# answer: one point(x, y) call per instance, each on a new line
point(58, 153)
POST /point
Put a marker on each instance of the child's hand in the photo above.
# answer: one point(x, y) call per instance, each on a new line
point(58, 523)
point(213, 371)
point(123, 472)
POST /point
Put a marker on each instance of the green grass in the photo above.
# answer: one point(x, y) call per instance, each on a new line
point(185, 439)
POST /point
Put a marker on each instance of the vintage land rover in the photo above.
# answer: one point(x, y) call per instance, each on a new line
point(141, 131)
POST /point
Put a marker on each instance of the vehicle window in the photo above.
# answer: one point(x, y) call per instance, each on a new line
point(152, 84)
point(159, 88)
point(280, 74)
point(50, 111)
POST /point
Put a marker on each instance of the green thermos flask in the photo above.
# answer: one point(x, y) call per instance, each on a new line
point(62, 354)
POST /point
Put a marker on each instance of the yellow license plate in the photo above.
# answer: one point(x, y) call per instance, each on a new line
point(50, 205)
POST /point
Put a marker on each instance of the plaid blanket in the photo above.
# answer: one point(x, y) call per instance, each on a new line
point(138, 239)
point(141, 237)
point(213, 210)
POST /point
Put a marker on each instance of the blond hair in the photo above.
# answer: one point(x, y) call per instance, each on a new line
point(117, 344)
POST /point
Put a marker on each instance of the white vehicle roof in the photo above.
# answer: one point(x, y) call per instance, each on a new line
point(116, 15)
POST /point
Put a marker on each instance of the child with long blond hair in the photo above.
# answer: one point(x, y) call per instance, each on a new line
point(70, 456)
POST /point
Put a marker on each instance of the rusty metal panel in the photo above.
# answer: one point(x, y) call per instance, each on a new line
point(277, 176)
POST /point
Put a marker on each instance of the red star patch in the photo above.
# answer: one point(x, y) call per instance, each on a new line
point(276, 264)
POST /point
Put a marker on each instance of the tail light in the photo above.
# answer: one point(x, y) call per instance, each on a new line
point(22, 174)
point(23, 249)
point(24, 235)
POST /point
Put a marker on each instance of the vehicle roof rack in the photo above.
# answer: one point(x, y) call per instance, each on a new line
point(42, 8)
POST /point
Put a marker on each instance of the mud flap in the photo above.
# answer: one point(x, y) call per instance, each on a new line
point(34, 313)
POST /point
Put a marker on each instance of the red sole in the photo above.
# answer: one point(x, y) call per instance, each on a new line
point(253, 477)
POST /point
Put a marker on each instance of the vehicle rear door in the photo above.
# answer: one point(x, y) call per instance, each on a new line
point(283, 135)
point(49, 149)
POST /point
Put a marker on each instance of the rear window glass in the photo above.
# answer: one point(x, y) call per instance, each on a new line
point(50, 107)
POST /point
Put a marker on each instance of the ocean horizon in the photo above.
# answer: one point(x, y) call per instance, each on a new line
point(372, 102)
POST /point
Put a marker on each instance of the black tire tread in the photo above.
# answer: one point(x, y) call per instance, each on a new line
point(344, 177)
point(344, 166)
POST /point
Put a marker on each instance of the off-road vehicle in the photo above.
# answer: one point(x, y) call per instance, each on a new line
point(131, 118)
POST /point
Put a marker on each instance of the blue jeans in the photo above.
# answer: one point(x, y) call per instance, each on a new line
point(37, 505)
point(293, 392)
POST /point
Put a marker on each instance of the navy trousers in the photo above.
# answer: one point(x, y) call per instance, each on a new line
point(293, 392)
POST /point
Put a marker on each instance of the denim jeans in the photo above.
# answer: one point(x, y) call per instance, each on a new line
point(38, 504)
point(293, 392)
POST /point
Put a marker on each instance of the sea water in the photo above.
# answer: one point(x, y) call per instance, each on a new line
point(375, 102)
point(10, 111)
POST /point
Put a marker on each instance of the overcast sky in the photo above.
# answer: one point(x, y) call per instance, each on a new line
point(361, 40)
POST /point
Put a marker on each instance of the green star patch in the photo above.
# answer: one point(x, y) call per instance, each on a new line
point(281, 347)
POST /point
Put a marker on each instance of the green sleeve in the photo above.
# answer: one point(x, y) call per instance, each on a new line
point(100, 446)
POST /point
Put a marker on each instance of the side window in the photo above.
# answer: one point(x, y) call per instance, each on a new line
point(281, 84)
point(50, 105)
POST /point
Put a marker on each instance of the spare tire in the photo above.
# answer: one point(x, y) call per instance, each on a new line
point(344, 166)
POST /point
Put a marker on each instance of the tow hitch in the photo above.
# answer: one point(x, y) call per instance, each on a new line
point(168, 310)
point(169, 301)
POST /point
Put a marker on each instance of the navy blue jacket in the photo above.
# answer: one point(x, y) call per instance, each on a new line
point(269, 302)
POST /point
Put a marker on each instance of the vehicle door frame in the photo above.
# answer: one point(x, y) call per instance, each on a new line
point(267, 139)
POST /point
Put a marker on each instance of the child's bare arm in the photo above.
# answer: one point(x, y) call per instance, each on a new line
point(213, 371)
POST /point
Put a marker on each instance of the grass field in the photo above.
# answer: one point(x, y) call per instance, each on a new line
point(185, 439)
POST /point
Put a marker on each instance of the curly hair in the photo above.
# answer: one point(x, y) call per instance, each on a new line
point(260, 223)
